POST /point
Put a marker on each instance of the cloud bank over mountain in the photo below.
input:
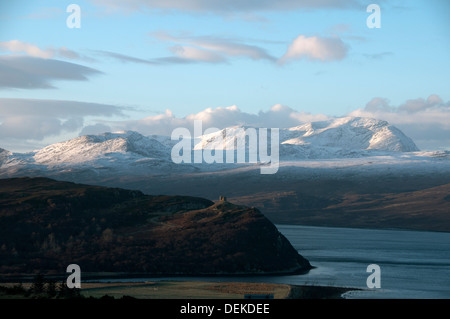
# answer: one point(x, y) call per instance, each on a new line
point(425, 120)
point(220, 117)
point(23, 122)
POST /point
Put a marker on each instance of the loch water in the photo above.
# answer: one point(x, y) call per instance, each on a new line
point(413, 264)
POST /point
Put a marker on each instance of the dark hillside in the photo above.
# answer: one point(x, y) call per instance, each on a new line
point(46, 225)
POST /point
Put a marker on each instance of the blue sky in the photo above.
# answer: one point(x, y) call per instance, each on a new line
point(152, 65)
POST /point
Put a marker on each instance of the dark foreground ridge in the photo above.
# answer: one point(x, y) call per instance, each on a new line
point(45, 225)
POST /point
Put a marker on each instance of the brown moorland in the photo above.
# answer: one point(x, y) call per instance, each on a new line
point(47, 225)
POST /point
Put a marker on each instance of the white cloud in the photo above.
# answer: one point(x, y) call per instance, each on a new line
point(432, 109)
point(195, 54)
point(211, 49)
point(220, 117)
point(315, 48)
point(232, 48)
point(426, 121)
point(25, 72)
point(68, 54)
point(33, 119)
point(26, 66)
point(17, 46)
point(420, 104)
point(123, 57)
point(36, 127)
point(192, 49)
point(23, 47)
point(378, 104)
point(97, 128)
point(428, 125)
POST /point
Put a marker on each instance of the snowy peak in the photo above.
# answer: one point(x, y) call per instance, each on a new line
point(223, 139)
point(351, 133)
point(335, 135)
point(390, 138)
point(348, 137)
point(4, 152)
point(92, 147)
point(4, 155)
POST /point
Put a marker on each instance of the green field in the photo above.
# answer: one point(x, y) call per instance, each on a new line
point(184, 290)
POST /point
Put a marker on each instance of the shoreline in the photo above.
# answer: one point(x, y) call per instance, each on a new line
point(173, 289)
point(123, 277)
point(363, 228)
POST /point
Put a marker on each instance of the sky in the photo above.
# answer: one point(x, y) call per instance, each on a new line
point(154, 65)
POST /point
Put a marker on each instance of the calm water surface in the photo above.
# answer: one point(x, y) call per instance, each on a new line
point(414, 264)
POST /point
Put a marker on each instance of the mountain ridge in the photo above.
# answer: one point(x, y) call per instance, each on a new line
point(337, 138)
point(348, 133)
point(89, 147)
point(305, 178)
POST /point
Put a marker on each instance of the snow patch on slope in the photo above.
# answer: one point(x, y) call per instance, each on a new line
point(4, 155)
point(341, 137)
point(93, 147)
point(340, 143)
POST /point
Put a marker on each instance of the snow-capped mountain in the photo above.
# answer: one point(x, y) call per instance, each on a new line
point(4, 155)
point(109, 154)
point(132, 154)
point(89, 148)
point(325, 168)
point(341, 137)
point(351, 133)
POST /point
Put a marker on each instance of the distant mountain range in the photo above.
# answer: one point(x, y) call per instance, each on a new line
point(137, 154)
point(323, 165)
point(327, 139)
